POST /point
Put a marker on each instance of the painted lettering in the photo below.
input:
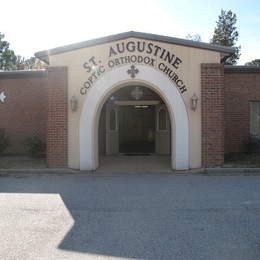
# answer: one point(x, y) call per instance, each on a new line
point(150, 50)
point(130, 46)
point(176, 63)
point(112, 52)
point(83, 91)
point(91, 79)
point(122, 49)
point(90, 64)
point(157, 48)
point(139, 46)
point(172, 76)
point(169, 57)
point(162, 53)
point(150, 54)
point(131, 59)
point(183, 89)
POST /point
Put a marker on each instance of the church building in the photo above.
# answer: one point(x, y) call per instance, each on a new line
point(133, 93)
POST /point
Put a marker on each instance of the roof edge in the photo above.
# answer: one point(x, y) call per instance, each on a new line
point(228, 69)
point(14, 74)
point(225, 51)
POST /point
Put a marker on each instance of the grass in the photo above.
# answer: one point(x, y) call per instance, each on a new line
point(241, 160)
point(22, 162)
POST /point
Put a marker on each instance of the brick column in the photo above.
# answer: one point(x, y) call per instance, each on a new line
point(212, 112)
point(57, 117)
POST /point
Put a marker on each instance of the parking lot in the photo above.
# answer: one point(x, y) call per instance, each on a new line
point(129, 216)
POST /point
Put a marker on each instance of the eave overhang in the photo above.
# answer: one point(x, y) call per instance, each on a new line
point(224, 51)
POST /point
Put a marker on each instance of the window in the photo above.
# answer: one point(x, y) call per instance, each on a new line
point(255, 118)
point(162, 120)
point(112, 120)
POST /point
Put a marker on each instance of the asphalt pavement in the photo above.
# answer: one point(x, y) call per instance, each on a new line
point(129, 216)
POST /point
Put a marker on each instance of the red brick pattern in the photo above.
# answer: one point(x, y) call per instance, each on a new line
point(37, 104)
point(23, 111)
point(212, 106)
point(57, 117)
point(240, 90)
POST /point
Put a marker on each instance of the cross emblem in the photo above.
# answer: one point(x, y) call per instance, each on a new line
point(2, 96)
point(132, 71)
point(136, 93)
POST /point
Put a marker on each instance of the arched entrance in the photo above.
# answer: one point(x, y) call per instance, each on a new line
point(132, 125)
point(109, 83)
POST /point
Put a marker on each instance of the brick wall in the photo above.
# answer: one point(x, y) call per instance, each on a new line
point(23, 111)
point(212, 106)
point(37, 104)
point(57, 117)
point(242, 85)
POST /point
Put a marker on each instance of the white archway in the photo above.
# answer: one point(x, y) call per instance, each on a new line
point(109, 83)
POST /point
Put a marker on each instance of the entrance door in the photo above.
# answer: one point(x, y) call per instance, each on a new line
point(112, 131)
point(136, 129)
point(163, 131)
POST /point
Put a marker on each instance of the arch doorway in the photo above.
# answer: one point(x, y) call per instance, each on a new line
point(134, 127)
point(116, 79)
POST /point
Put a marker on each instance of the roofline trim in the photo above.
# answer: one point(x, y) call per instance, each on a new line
point(225, 51)
point(22, 74)
point(228, 69)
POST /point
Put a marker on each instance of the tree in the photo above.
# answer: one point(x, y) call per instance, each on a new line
point(255, 62)
point(7, 56)
point(29, 64)
point(9, 61)
point(35, 63)
point(225, 34)
point(195, 37)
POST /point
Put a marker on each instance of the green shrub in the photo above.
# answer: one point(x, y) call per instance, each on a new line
point(252, 144)
point(4, 141)
point(234, 156)
point(34, 145)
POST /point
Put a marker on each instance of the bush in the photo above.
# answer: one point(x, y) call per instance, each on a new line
point(34, 145)
point(252, 144)
point(234, 156)
point(4, 141)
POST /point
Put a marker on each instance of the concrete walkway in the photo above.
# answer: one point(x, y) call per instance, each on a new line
point(134, 164)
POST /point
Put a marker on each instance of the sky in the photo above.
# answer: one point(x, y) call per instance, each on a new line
point(31, 26)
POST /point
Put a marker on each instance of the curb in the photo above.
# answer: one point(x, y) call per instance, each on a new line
point(233, 171)
point(199, 171)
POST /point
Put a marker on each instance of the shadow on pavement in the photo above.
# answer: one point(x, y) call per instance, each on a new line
point(151, 217)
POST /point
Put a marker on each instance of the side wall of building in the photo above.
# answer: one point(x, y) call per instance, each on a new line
point(22, 113)
point(36, 103)
point(242, 86)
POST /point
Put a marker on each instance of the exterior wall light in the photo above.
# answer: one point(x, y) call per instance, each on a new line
point(73, 104)
point(194, 102)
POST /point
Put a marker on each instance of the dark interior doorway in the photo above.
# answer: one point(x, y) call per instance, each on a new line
point(137, 129)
